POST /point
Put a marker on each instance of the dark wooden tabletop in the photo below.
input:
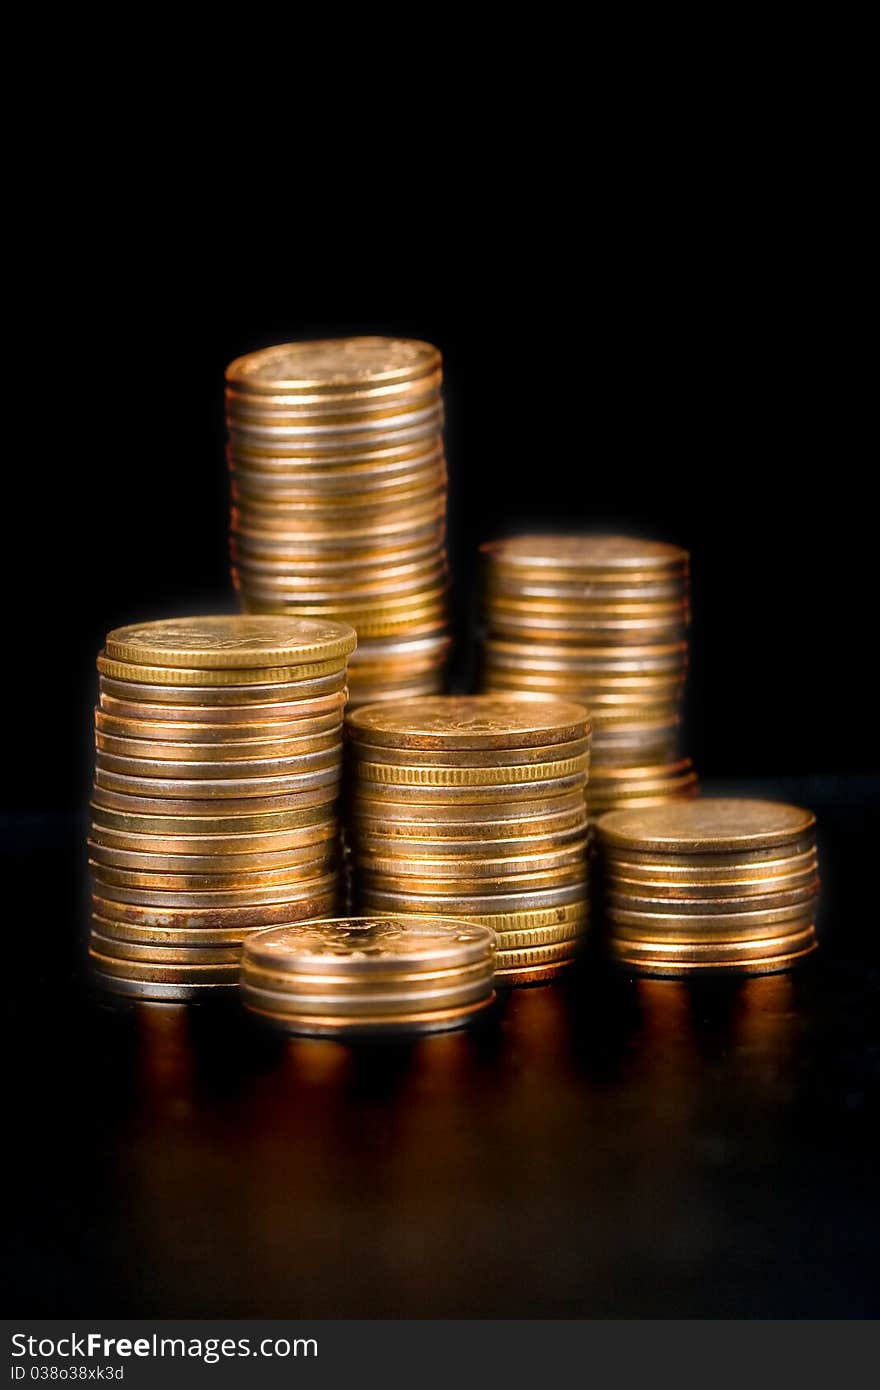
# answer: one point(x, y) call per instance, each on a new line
point(600, 1147)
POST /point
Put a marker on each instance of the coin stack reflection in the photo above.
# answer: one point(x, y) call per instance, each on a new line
point(711, 886)
point(602, 619)
point(219, 749)
point(473, 807)
point(339, 499)
point(360, 975)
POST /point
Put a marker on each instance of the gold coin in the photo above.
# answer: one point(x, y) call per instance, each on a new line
point(763, 957)
point(530, 957)
point(610, 796)
point(331, 364)
point(470, 722)
point(471, 848)
point(687, 930)
point(174, 938)
point(504, 585)
point(210, 739)
point(162, 973)
point(362, 947)
point(216, 847)
point(366, 1007)
point(214, 788)
point(395, 983)
point(533, 975)
point(384, 474)
point(457, 758)
point(586, 555)
point(647, 773)
point(371, 796)
point(722, 891)
point(646, 900)
point(401, 776)
point(540, 936)
point(230, 642)
point(693, 866)
point(742, 921)
point(422, 426)
point(266, 914)
point(626, 631)
point(214, 881)
point(474, 867)
point(193, 824)
point(246, 865)
point(217, 808)
point(156, 750)
point(164, 993)
point(468, 819)
point(434, 1021)
point(651, 656)
point(572, 916)
point(716, 824)
point(110, 947)
point(297, 889)
point(433, 886)
point(278, 509)
point(145, 765)
point(261, 711)
point(178, 676)
point(341, 416)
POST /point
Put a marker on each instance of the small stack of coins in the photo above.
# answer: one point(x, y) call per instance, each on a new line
point(601, 619)
point(369, 976)
point(339, 499)
point(219, 751)
point(474, 807)
point(712, 886)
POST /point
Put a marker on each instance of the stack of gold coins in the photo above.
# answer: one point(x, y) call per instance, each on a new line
point(339, 499)
point(602, 619)
point(473, 807)
point(369, 975)
point(219, 750)
point(711, 886)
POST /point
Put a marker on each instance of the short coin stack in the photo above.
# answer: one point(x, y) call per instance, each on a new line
point(219, 750)
point(369, 975)
point(473, 807)
point(339, 499)
point(712, 886)
point(601, 619)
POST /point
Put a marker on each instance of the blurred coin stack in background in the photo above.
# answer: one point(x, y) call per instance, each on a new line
point(603, 620)
point(711, 886)
point(339, 500)
point(366, 976)
point(473, 807)
point(214, 812)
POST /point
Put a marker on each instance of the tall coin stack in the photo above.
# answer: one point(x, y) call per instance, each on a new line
point(369, 976)
point(473, 807)
point(711, 886)
point(339, 499)
point(601, 619)
point(219, 751)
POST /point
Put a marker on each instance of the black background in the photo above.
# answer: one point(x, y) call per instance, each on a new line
point(691, 385)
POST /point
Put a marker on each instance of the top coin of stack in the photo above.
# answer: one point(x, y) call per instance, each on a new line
point(711, 886)
point(339, 499)
point(361, 975)
point(473, 807)
point(602, 619)
point(219, 749)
